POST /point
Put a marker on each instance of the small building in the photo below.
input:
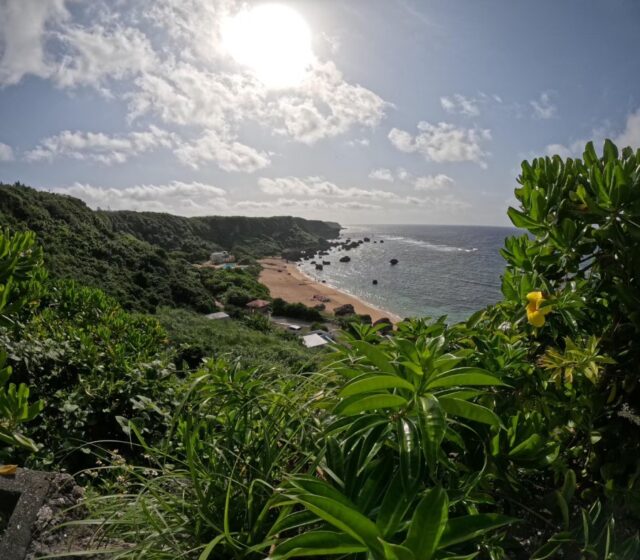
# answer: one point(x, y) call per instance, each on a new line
point(218, 316)
point(221, 257)
point(314, 340)
point(259, 306)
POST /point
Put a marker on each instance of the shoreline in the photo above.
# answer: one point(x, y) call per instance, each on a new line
point(285, 280)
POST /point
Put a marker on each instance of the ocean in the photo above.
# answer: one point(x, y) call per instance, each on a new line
point(441, 270)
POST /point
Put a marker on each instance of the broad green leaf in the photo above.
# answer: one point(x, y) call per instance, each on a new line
point(375, 383)
point(470, 411)
point(462, 379)
point(396, 552)
point(610, 151)
point(372, 402)
point(395, 505)
point(433, 425)
point(410, 456)
point(468, 527)
point(376, 356)
point(529, 448)
point(521, 220)
point(319, 488)
point(317, 543)
point(428, 524)
point(344, 518)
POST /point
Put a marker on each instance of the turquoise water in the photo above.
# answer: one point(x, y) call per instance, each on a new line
point(442, 270)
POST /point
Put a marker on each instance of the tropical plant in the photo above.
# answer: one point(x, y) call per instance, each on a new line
point(21, 272)
point(205, 490)
point(402, 411)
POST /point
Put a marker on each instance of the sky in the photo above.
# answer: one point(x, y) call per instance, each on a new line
point(358, 111)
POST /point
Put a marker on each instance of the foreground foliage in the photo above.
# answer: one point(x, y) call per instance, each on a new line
point(511, 435)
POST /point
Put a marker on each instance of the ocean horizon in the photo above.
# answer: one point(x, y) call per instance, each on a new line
point(441, 270)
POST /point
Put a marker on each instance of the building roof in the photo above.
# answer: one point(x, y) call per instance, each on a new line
point(258, 304)
point(313, 340)
point(218, 315)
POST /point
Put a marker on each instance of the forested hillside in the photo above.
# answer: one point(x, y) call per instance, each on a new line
point(144, 259)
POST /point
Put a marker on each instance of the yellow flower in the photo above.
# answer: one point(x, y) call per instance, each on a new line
point(536, 313)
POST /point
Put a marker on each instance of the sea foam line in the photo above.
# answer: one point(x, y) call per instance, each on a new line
point(427, 245)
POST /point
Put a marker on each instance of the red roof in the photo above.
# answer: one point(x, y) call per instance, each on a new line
point(258, 304)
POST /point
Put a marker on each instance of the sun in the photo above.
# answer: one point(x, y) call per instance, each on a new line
point(273, 41)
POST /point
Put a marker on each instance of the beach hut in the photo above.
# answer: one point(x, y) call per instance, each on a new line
point(259, 306)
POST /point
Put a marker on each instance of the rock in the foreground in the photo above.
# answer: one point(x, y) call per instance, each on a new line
point(344, 310)
point(394, 261)
point(346, 258)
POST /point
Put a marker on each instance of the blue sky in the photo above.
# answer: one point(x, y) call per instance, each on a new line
point(407, 111)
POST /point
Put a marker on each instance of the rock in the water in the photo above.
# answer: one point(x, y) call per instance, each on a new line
point(382, 241)
point(343, 310)
point(318, 267)
point(326, 262)
point(387, 326)
point(394, 261)
point(345, 259)
point(375, 282)
point(366, 240)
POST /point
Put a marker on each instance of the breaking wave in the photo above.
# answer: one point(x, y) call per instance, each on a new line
point(427, 245)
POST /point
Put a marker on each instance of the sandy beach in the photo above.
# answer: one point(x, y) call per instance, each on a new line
point(286, 281)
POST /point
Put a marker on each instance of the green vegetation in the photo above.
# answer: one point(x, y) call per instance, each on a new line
point(295, 310)
point(197, 338)
point(20, 275)
point(511, 435)
point(144, 259)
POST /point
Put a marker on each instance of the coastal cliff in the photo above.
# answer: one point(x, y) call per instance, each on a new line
point(145, 259)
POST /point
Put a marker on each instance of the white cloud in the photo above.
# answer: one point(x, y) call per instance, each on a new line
point(324, 105)
point(6, 152)
point(24, 30)
point(97, 53)
point(458, 103)
point(421, 183)
point(433, 182)
point(443, 142)
point(318, 187)
point(630, 136)
point(100, 147)
point(176, 197)
point(382, 174)
point(543, 108)
point(166, 59)
point(359, 142)
point(229, 155)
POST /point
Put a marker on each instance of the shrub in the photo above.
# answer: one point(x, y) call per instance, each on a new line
point(295, 310)
point(93, 363)
point(21, 273)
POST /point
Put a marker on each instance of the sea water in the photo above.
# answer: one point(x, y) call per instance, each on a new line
point(441, 270)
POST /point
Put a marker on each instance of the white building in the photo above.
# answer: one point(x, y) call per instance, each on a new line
point(221, 257)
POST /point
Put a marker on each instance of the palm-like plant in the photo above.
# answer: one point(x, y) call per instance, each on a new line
point(396, 406)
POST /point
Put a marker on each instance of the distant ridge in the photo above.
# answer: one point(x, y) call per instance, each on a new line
point(144, 258)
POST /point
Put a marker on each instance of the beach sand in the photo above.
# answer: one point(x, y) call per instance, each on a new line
point(285, 280)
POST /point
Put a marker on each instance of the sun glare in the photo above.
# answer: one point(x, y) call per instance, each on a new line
point(273, 41)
